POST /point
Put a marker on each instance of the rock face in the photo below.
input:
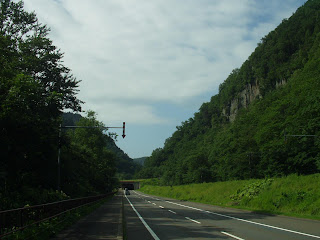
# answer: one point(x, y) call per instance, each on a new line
point(244, 98)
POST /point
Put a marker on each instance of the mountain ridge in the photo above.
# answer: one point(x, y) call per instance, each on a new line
point(239, 134)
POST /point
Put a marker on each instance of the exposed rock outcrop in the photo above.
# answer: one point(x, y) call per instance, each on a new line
point(244, 98)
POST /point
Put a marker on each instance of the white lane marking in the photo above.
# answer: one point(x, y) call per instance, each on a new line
point(161, 207)
point(172, 211)
point(186, 206)
point(230, 235)
point(146, 196)
point(149, 202)
point(144, 223)
point(193, 220)
point(243, 220)
point(154, 204)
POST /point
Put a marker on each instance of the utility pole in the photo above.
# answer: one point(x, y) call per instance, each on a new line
point(59, 151)
point(59, 146)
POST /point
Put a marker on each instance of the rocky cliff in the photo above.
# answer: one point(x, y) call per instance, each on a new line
point(244, 98)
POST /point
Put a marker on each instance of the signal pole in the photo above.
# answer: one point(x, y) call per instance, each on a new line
point(59, 145)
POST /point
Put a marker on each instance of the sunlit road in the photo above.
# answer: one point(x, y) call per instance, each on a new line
point(150, 217)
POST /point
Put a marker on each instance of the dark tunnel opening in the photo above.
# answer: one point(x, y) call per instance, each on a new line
point(129, 186)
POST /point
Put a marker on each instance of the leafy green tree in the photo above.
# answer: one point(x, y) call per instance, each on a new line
point(88, 167)
point(34, 89)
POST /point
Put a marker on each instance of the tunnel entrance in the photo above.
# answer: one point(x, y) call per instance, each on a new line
point(130, 185)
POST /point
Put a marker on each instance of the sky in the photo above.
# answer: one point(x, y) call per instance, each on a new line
point(152, 63)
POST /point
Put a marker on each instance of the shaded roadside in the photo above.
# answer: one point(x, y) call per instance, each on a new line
point(103, 223)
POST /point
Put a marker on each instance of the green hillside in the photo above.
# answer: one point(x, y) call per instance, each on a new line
point(240, 133)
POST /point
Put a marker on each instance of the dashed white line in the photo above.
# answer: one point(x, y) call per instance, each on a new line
point(243, 220)
point(193, 220)
point(172, 211)
point(230, 235)
point(161, 207)
point(154, 204)
point(144, 223)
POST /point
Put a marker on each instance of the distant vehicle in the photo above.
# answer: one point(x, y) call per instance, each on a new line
point(126, 191)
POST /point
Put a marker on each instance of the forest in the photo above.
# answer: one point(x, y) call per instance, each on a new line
point(35, 90)
point(265, 120)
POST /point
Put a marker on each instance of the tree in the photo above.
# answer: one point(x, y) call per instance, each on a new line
point(88, 167)
point(34, 89)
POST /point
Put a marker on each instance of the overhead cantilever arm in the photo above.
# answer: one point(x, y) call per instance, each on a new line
point(59, 145)
point(123, 127)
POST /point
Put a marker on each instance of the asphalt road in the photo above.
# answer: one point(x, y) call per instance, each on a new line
point(103, 223)
point(150, 217)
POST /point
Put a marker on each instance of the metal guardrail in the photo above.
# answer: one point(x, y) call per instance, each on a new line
point(18, 219)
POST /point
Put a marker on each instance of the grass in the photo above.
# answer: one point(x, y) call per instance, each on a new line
point(47, 229)
point(293, 195)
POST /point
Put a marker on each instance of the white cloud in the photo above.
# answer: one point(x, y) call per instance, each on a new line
point(113, 113)
point(142, 52)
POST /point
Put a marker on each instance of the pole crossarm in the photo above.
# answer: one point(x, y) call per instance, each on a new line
point(297, 135)
point(301, 136)
point(88, 127)
point(100, 127)
point(59, 145)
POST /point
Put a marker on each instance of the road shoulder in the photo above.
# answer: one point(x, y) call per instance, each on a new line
point(103, 223)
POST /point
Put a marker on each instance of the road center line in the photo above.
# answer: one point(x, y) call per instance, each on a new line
point(243, 220)
point(144, 222)
point(230, 235)
point(193, 220)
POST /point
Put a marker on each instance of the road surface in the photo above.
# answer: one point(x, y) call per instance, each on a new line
point(103, 223)
point(150, 217)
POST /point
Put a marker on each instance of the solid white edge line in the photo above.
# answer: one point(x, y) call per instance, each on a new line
point(144, 222)
point(230, 235)
point(193, 220)
point(243, 220)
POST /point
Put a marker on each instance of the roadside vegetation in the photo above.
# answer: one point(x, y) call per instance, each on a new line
point(51, 227)
point(293, 195)
point(35, 91)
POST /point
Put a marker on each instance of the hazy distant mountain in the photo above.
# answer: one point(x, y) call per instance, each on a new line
point(70, 119)
point(140, 160)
